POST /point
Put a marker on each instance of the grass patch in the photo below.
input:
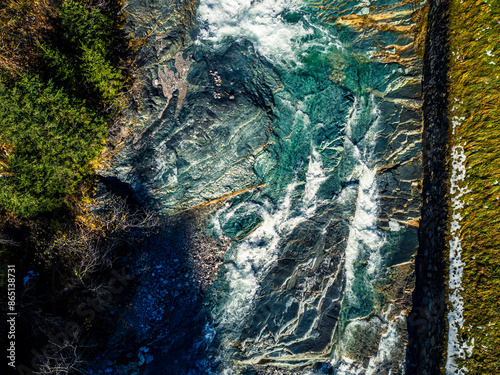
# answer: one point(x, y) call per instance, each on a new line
point(474, 97)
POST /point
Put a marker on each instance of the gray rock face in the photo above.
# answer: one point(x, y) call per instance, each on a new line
point(206, 138)
point(311, 152)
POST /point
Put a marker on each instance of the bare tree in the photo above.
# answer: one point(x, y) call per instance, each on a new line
point(62, 359)
point(7, 242)
point(90, 246)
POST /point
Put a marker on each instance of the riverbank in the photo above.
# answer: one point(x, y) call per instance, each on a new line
point(458, 254)
point(474, 243)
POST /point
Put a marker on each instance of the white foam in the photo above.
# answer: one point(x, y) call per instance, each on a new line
point(363, 234)
point(315, 176)
point(365, 241)
point(262, 23)
point(394, 226)
point(249, 260)
point(456, 348)
point(389, 342)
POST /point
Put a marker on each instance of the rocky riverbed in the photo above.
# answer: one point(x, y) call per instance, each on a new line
point(282, 143)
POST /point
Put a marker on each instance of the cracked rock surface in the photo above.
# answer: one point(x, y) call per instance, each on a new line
point(291, 196)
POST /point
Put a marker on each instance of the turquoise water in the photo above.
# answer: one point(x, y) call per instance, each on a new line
point(320, 170)
point(317, 136)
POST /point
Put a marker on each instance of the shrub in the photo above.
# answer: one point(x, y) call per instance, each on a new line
point(53, 138)
point(83, 25)
point(99, 72)
point(81, 60)
point(52, 97)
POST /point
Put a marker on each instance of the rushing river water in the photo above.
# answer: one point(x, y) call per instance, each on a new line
point(298, 108)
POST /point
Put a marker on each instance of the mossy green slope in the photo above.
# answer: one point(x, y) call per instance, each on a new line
point(474, 97)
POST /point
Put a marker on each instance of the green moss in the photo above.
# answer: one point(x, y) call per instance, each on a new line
point(474, 94)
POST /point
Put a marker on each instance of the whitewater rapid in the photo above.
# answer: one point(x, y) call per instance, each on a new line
point(364, 245)
point(365, 239)
point(249, 260)
point(286, 34)
point(279, 29)
point(282, 33)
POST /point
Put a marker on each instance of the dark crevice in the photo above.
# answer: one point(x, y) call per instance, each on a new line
point(426, 323)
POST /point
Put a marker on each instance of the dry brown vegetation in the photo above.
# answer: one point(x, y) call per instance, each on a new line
point(22, 23)
point(92, 243)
